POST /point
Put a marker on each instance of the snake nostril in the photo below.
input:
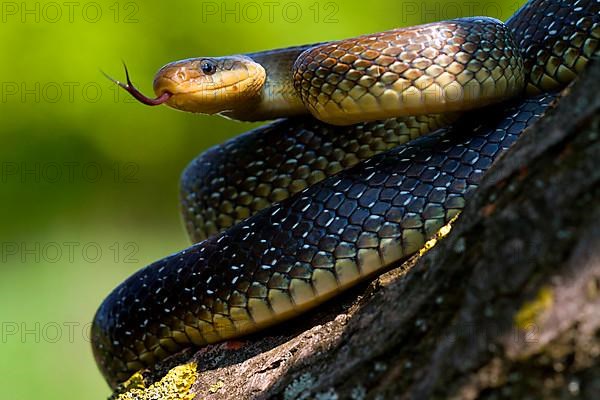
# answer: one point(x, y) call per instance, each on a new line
point(181, 74)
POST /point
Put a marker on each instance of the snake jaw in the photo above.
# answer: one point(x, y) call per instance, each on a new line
point(131, 89)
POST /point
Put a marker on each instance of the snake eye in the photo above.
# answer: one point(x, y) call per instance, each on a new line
point(208, 67)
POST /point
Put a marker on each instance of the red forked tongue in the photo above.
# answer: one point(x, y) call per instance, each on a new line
point(137, 94)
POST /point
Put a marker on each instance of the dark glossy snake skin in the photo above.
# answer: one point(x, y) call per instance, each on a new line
point(557, 39)
point(228, 183)
point(348, 226)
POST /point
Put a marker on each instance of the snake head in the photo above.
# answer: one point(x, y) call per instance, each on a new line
point(210, 85)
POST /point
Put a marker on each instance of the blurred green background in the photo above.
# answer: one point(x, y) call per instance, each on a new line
point(89, 177)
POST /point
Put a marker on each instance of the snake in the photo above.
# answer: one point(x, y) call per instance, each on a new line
point(377, 143)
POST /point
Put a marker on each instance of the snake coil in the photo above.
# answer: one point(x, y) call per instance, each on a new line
point(290, 214)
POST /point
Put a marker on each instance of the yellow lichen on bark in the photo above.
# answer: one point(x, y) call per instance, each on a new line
point(529, 313)
point(176, 385)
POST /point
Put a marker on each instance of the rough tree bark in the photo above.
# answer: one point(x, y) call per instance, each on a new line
point(506, 306)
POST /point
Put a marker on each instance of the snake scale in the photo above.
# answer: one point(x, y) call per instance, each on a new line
point(288, 215)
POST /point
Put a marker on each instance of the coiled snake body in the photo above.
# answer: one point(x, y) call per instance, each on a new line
point(290, 214)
